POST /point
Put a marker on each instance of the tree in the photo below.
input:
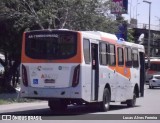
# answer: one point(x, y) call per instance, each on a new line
point(10, 47)
point(130, 33)
point(20, 15)
point(71, 14)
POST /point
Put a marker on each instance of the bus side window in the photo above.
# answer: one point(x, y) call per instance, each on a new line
point(128, 56)
point(86, 50)
point(135, 58)
point(120, 56)
point(103, 53)
point(112, 57)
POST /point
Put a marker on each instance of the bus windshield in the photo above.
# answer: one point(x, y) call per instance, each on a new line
point(51, 45)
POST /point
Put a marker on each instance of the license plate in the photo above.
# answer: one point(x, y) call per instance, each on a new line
point(49, 81)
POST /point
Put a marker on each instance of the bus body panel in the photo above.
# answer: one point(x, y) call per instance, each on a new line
point(52, 78)
point(51, 93)
point(56, 85)
point(50, 75)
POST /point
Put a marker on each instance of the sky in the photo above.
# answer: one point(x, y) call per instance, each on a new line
point(143, 11)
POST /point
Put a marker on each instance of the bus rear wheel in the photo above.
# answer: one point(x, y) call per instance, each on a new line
point(132, 102)
point(57, 105)
point(151, 87)
point(105, 104)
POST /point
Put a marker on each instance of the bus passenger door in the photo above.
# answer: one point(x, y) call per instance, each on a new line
point(142, 73)
point(95, 72)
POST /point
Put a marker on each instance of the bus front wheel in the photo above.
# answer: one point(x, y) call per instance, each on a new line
point(132, 102)
point(105, 104)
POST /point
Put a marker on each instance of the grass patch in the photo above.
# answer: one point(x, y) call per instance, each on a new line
point(20, 100)
point(4, 102)
point(17, 100)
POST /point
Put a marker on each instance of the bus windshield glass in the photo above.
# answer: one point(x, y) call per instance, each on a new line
point(51, 45)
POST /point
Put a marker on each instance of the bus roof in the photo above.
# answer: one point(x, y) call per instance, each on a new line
point(100, 35)
point(140, 47)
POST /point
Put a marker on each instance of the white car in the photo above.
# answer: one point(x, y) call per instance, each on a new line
point(154, 81)
point(1, 69)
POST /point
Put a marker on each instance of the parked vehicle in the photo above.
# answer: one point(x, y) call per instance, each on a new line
point(154, 81)
point(1, 69)
point(154, 68)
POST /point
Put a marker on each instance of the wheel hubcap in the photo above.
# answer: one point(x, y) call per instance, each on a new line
point(106, 102)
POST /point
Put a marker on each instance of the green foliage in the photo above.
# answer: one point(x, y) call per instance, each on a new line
point(130, 35)
point(71, 14)
point(19, 15)
point(16, 16)
point(3, 102)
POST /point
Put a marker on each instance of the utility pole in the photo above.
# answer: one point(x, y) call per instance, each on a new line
point(130, 10)
point(149, 32)
point(159, 21)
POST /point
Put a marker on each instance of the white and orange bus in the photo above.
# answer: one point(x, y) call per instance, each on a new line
point(81, 67)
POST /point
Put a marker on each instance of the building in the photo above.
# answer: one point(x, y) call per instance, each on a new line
point(141, 31)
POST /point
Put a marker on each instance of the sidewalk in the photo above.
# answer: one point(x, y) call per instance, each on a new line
point(21, 106)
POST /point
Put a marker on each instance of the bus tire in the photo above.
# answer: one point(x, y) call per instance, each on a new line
point(150, 87)
point(105, 104)
point(132, 102)
point(57, 105)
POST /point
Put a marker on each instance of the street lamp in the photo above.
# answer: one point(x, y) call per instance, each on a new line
point(149, 33)
point(136, 6)
point(159, 21)
point(130, 9)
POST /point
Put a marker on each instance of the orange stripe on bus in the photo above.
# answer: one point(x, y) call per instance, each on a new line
point(123, 70)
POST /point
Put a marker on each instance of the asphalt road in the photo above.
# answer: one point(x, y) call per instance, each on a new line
point(150, 104)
